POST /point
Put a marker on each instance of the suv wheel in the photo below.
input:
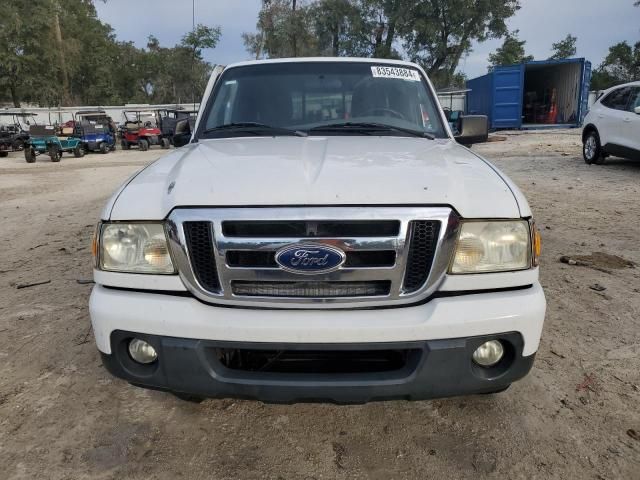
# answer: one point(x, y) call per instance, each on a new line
point(591, 149)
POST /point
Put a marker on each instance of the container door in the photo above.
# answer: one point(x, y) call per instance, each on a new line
point(584, 91)
point(508, 85)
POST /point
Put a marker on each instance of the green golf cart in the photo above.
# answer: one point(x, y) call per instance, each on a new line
point(44, 140)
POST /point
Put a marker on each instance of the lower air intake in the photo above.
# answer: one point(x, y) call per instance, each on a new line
point(311, 289)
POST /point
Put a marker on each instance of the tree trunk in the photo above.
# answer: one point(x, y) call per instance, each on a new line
point(388, 44)
point(14, 95)
point(378, 45)
point(66, 100)
point(294, 40)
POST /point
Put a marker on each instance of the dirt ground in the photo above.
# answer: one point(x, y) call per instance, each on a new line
point(577, 415)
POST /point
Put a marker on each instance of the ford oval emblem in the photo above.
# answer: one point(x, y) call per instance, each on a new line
point(310, 259)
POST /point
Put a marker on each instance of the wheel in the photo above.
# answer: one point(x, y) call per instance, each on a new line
point(55, 154)
point(78, 152)
point(591, 149)
point(165, 143)
point(125, 145)
point(103, 148)
point(18, 145)
point(4, 154)
point(188, 397)
point(143, 144)
point(30, 155)
point(112, 148)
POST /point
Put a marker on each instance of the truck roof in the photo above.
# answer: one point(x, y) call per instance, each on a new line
point(322, 60)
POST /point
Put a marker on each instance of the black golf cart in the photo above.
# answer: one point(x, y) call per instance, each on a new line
point(14, 133)
point(168, 119)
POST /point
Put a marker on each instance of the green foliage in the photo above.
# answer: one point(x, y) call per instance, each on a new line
point(55, 52)
point(621, 65)
point(434, 33)
point(565, 48)
point(511, 52)
point(441, 32)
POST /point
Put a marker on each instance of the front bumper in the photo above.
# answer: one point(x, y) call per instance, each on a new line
point(444, 330)
point(178, 316)
point(435, 368)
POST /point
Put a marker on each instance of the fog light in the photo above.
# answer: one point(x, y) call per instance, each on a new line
point(142, 352)
point(489, 353)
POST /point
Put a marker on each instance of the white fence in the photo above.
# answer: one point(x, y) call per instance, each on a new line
point(59, 115)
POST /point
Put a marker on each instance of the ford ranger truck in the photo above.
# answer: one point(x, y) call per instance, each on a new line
point(322, 236)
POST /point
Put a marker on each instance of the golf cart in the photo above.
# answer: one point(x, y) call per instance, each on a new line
point(141, 129)
point(168, 118)
point(13, 135)
point(96, 131)
point(43, 139)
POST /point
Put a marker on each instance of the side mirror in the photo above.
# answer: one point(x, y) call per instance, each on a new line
point(182, 134)
point(637, 110)
point(473, 129)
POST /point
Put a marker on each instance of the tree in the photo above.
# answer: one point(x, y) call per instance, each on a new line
point(25, 50)
point(284, 30)
point(564, 48)
point(438, 33)
point(511, 52)
point(434, 33)
point(621, 65)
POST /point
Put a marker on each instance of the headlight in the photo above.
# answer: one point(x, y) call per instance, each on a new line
point(134, 248)
point(496, 246)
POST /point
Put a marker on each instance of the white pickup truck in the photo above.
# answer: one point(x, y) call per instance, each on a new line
point(322, 236)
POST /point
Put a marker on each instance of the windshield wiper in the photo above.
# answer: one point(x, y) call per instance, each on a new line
point(366, 127)
point(255, 128)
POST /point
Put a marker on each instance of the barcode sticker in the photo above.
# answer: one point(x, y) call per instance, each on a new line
point(396, 72)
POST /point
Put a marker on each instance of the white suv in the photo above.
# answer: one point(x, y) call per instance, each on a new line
point(612, 126)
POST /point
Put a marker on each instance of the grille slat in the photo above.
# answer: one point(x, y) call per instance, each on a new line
point(423, 237)
point(310, 229)
point(311, 289)
point(267, 259)
point(200, 243)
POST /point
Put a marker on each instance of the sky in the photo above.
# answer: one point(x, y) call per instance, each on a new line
point(598, 24)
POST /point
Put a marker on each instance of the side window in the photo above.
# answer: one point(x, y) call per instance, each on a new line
point(635, 99)
point(618, 99)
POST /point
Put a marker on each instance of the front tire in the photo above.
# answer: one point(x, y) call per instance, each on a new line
point(591, 149)
point(30, 155)
point(125, 145)
point(165, 143)
point(144, 145)
point(55, 154)
point(78, 152)
point(103, 147)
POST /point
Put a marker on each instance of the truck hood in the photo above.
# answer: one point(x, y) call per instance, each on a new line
point(334, 170)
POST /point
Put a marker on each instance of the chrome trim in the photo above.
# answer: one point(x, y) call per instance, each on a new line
point(448, 219)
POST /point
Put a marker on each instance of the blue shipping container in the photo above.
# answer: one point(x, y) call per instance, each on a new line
point(521, 96)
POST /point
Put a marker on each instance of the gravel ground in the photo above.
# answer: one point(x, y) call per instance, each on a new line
point(62, 416)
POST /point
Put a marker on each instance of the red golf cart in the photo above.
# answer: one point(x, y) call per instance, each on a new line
point(141, 129)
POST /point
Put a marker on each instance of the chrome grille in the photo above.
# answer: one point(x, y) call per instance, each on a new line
point(394, 255)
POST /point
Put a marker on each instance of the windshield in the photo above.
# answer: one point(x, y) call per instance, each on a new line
point(321, 98)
